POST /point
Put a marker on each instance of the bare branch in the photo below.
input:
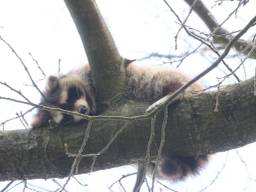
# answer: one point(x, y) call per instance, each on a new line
point(7, 186)
point(23, 64)
point(38, 65)
point(159, 55)
point(182, 24)
point(216, 176)
point(200, 39)
point(120, 181)
point(168, 98)
point(15, 91)
point(168, 188)
point(102, 151)
point(74, 168)
point(220, 34)
point(161, 146)
point(143, 165)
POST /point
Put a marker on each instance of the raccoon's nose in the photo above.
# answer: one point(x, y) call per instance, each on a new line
point(84, 110)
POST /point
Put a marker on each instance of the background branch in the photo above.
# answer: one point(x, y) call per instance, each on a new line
point(221, 35)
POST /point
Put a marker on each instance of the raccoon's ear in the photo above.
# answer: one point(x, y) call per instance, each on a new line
point(52, 83)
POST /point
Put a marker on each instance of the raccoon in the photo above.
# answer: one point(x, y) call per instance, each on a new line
point(72, 92)
point(75, 92)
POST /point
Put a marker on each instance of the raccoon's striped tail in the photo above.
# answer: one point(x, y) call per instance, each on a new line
point(177, 167)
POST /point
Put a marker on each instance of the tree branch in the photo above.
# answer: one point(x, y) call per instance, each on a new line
point(169, 97)
point(192, 128)
point(220, 34)
point(106, 63)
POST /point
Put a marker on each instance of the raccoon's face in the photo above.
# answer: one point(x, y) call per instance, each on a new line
point(72, 94)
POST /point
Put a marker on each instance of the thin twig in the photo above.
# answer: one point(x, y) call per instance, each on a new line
point(168, 98)
point(120, 179)
point(87, 117)
point(102, 151)
point(183, 23)
point(219, 33)
point(197, 37)
point(187, 55)
point(23, 64)
point(35, 190)
point(22, 121)
point(161, 146)
point(58, 184)
point(15, 90)
point(59, 68)
point(168, 188)
point(109, 144)
point(216, 176)
point(16, 117)
point(217, 101)
point(79, 182)
point(75, 164)
point(13, 186)
point(38, 187)
point(38, 65)
point(25, 185)
point(159, 55)
point(8, 185)
point(142, 167)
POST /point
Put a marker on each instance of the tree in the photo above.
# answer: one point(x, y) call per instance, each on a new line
point(56, 152)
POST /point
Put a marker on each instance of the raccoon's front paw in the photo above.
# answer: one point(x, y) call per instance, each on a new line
point(40, 119)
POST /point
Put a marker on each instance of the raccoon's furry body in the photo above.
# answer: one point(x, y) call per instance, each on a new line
point(75, 92)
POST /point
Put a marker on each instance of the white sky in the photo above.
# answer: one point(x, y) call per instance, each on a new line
point(139, 27)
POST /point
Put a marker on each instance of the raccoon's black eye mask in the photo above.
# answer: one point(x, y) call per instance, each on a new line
point(74, 93)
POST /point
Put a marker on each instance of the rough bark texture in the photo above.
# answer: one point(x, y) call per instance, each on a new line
point(193, 128)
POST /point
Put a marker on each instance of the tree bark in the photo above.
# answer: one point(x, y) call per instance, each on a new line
point(193, 128)
point(106, 63)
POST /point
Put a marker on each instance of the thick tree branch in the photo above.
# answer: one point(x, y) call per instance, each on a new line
point(193, 128)
point(221, 35)
point(106, 63)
